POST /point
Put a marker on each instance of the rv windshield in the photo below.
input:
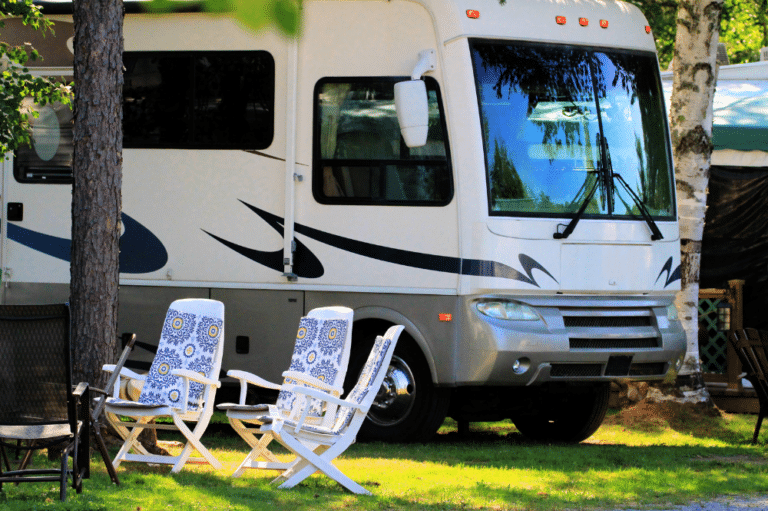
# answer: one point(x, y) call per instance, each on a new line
point(559, 120)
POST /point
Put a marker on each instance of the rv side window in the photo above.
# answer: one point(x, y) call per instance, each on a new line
point(360, 157)
point(198, 100)
point(49, 157)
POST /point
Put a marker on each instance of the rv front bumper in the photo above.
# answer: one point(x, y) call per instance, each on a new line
point(578, 338)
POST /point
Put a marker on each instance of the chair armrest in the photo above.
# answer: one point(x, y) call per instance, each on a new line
point(311, 380)
point(127, 373)
point(321, 395)
point(81, 388)
point(251, 378)
point(197, 377)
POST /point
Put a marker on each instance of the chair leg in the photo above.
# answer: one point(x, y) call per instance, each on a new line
point(193, 441)
point(64, 474)
point(260, 451)
point(96, 428)
point(757, 426)
point(130, 442)
point(5, 459)
point(321, 458)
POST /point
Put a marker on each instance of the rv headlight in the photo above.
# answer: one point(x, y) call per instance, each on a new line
point(672, 312)
point(508, 310)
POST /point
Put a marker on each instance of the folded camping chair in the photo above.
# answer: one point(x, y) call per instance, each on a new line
point(317, 446)
point(38, 407)
point(319, 360)
point(181, 384)
point(750, 346)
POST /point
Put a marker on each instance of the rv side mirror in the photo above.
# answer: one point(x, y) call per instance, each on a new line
point(412, 111)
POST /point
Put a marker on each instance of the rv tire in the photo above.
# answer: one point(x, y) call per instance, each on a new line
point(563, 418)
point(408, 407)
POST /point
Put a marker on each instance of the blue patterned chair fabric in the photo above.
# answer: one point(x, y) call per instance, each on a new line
point(188, 341)
point(319, 352)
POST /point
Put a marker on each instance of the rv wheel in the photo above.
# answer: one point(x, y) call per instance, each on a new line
point(408, 407)
point(565, 418)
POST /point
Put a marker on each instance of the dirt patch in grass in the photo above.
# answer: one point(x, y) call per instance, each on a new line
point(698, 419)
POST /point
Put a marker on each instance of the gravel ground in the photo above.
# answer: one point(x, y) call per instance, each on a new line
point(723, 504)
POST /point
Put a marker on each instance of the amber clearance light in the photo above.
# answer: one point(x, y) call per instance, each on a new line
point(473, 14)
point(560, 20)
point(583, 22)
point(603, 23)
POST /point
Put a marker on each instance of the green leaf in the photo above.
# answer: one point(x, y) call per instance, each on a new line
point(254, 14)
point(286, 14)
point(219, 6)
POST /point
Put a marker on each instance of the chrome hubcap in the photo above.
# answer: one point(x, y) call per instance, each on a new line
point(395, 398)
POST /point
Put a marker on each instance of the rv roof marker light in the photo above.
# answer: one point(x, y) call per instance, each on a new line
point(560, 20)
point(603, 23)
point(583, 22)
point(445, 317)
point(473, 14)
point(647, 29)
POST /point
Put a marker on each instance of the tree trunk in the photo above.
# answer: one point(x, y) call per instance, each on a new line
point(96, 199)
point(695, 74)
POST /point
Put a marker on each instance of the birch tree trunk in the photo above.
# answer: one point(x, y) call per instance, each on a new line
point(695, 74)
point(97, 176)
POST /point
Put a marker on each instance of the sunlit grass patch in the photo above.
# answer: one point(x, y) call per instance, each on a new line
point(633, 460)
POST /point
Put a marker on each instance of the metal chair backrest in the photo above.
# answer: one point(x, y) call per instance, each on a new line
point(35, 365)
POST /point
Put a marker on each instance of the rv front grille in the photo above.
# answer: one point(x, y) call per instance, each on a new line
point(648, 369)
point(575, 370)
point(613, 344)
point(606, 321)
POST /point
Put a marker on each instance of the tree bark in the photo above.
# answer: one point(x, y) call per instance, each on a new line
point(97, 176)
point(695, 74)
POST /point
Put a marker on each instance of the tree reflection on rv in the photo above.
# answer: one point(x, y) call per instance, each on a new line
point(544, 110)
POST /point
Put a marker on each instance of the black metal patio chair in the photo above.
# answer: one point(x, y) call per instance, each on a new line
point(39, 409)
point(750, 346)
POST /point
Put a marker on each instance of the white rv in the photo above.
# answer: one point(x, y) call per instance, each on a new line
point(529, 244)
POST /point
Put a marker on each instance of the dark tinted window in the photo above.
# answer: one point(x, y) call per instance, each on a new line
point(200, 100)
point(360, 157)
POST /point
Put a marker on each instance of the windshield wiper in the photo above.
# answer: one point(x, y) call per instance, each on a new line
point(655, 232)
point(575, 220)
point(608, 176)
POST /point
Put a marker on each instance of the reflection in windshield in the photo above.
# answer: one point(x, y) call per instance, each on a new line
point(558, 120)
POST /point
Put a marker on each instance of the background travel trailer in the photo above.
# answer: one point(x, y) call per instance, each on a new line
point(735, 243)
point(530, 247)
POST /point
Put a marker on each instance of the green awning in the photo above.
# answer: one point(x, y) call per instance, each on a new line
point(742, 125)
point(740, 114)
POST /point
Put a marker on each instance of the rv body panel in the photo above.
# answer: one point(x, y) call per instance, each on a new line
point(461, 241)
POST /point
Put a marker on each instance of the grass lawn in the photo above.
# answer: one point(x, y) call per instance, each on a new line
point(644, 457)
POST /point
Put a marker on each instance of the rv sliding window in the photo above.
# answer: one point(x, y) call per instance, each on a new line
point(198, 100)
point(360, 157)
point(48, 160)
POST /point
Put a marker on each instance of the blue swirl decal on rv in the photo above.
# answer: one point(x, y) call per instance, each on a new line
point(307, 265)
point(671, 275)
point(140, 250)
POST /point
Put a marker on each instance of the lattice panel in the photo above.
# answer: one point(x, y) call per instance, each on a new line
point(711, 342)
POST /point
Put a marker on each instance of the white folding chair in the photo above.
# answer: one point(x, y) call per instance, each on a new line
point(317, 446)
point(320, 359)
point(181, 384)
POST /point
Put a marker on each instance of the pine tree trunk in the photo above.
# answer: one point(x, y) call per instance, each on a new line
point(96, 196)
point(695, 74)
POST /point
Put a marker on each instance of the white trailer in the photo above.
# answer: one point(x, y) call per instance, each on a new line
point(530, 246)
